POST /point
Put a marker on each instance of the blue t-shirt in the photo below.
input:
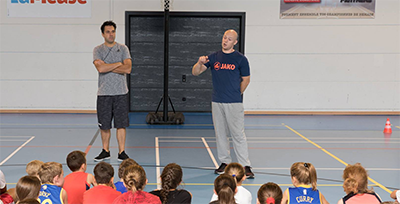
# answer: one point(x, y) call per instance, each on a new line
point(227, 71)
point(303, 194)
point(120, 187)
point(51, 194)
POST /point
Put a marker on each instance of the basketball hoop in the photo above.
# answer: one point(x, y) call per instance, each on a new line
point(166, 117)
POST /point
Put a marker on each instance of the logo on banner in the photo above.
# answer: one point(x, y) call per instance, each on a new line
point(355, 1)
point(48, 1)
point(302, 1)
point(50, 8)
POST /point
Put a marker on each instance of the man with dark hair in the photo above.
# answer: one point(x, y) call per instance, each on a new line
point(104, 191)
point(230, 72)
point(113, 62)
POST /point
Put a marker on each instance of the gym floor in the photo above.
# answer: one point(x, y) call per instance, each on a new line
point(275, 142)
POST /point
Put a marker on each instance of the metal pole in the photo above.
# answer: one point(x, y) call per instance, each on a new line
point(166, 54)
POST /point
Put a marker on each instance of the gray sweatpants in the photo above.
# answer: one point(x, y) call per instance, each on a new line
point(228, 120)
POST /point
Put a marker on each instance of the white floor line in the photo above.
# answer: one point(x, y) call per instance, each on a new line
point(288, 142)
point(277, 138)
point(17, 136)
point(12, 154)
point(10, 140)
point(158, 179)
point(210, 153)
point(179, 137)
point(173, 141)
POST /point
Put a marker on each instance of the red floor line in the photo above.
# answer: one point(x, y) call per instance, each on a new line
point(88, 148)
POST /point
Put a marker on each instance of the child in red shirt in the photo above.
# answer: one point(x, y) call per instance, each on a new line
point(77, 182)
point(104, 192)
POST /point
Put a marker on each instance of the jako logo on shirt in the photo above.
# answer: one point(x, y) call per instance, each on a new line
point(218, 66)
point(48, 1)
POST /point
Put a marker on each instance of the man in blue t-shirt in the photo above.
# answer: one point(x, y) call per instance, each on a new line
point(230, 75)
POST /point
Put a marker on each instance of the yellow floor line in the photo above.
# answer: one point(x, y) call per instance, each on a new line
point(398, 127)
point(335, 157)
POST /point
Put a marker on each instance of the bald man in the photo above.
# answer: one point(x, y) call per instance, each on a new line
point(230, 75)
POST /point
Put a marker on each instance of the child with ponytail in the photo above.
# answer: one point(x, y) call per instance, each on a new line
point(243, 196)
point(356, 186)
point(171, 177)
point(135, 180)
point(269, 193)
point(225, 188)
point(303, 174)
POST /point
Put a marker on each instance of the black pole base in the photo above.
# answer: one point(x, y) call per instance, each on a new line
point(176, 118)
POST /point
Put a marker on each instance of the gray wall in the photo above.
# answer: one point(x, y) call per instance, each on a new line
point(296, 65)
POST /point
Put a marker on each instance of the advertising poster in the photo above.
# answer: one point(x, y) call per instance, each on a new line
point(49, 8)
point(327, 9)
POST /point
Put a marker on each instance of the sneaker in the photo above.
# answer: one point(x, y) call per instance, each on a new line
point(122, 156)
point(221, 169)
point(103, 155)
point(248, 172)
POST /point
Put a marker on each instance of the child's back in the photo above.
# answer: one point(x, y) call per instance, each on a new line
point(50, 193)
point(303, 174)
point(135, 181)
point(52, 176)
point(77, 182)
point(103, 192)
point(171, 177)
point(356, 186)
point(242, 196)
point(304, 194)
point(119, 185)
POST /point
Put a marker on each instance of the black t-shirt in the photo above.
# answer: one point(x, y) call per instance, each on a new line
point(176, 196)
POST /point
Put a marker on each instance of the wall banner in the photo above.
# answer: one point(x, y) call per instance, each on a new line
point(50, 8)
point(327, 9)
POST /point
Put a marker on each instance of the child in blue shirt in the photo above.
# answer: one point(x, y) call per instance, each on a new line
point(303, 174)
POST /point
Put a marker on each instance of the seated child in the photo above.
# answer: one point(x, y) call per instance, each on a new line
point(28, 187)
point(236, 170)
point(29, 201)
point(52, 177)
point(269, 193)
point(303, 174)
point(103, 192)
point(135, 180)
point(77, 182)
point(396, 195)
point(225, 188)
point(5, 196)
point(171, 177)
point(33, 167)
point(356, 186)
point(119, 185)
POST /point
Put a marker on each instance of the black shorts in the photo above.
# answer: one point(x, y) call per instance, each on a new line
point(109, 107)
